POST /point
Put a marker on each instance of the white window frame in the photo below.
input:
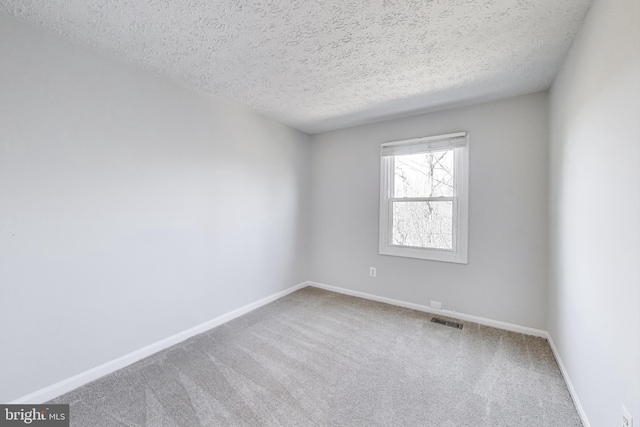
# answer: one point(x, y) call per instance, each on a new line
point(459, 142)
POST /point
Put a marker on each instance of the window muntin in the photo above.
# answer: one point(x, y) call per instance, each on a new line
point(423, 203)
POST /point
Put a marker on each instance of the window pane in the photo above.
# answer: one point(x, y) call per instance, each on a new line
point(423, 224)
point(424, 175)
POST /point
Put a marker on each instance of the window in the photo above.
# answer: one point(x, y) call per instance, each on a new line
point(424, 198)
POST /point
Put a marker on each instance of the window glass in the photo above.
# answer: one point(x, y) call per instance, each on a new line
point(424, 174)
point(423, 224)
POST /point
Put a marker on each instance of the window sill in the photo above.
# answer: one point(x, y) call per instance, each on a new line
point(428, 254)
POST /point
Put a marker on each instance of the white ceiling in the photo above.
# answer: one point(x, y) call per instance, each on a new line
point(327, 64)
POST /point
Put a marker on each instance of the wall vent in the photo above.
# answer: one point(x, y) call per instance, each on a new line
point(446, 323)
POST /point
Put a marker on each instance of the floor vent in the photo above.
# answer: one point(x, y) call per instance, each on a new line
point(446, 323)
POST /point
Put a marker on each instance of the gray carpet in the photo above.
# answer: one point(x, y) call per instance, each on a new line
point(317, 358)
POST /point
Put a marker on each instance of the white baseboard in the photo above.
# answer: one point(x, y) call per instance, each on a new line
point(83, 378)
point(475, 319)
point(567, 380)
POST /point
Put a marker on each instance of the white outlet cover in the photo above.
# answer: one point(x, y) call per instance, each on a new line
point(436, 305)
point(372, 271)
point(627, 419)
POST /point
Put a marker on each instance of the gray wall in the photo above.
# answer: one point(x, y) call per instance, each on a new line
point(594, 294)
point(506, 278)
point(131, 208)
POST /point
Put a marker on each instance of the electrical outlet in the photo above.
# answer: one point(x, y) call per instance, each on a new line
point(627, 419)
point(372, 271)
point(436, 304)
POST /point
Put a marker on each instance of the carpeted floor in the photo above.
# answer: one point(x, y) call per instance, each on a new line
point(317, 358)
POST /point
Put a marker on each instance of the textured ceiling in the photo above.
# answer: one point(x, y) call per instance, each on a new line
point(327, 64)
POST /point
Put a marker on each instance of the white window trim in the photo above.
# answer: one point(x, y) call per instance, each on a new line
point(460, 204)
